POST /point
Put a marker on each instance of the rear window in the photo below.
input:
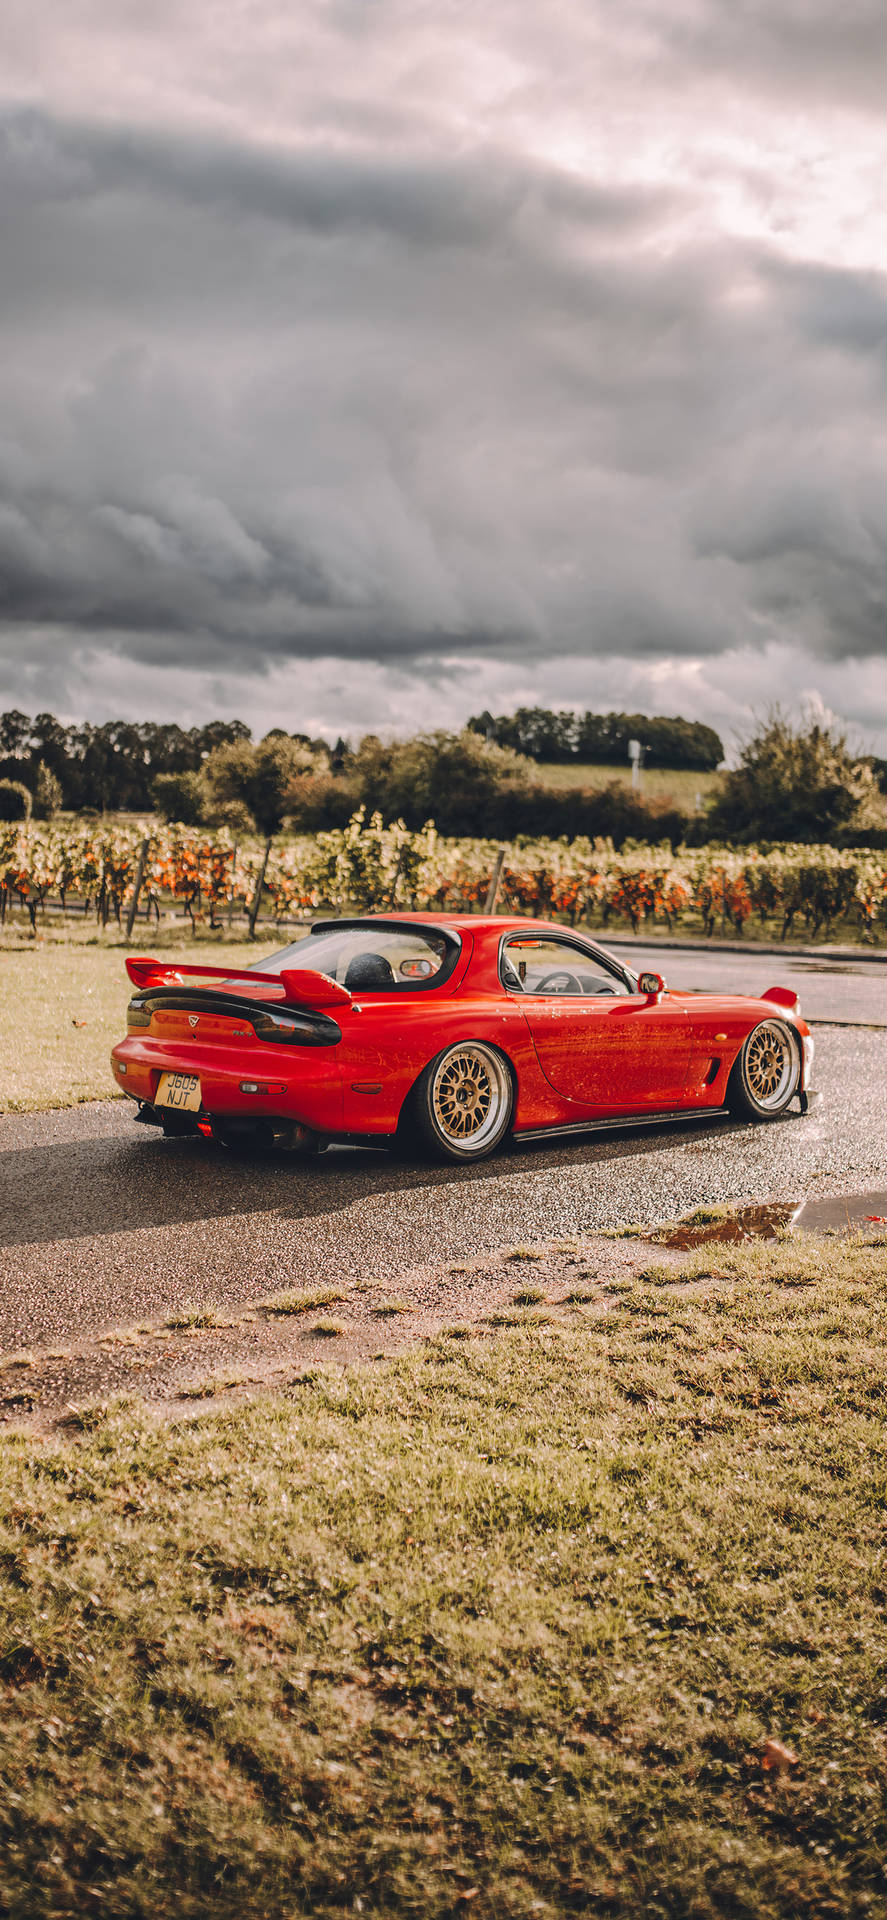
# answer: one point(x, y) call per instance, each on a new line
point(372, 959)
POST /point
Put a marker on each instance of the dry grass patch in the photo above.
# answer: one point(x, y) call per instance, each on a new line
point(212, 1384)
point(194, 1319)
point(519, 1317)
point(295, 1301)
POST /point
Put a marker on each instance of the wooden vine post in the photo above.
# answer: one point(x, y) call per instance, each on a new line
point(493, 894)
point(136, 888)
point(233, 881)
point(257, 896)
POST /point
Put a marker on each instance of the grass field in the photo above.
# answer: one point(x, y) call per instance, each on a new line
point(63, 1006)
point(680, 784)
point(585, 1616)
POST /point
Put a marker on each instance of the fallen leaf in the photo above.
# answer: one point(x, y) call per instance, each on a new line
point(776, 1758)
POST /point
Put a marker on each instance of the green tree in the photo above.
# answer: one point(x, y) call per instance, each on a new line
point(455, 779)
point(15, 800)
point(795, 782)
point(49, 748)
point(180, 796)
point(47, 793)
point(15, 733)
point(260, 777)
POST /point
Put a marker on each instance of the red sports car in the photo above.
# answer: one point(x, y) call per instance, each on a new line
point(446, 1031)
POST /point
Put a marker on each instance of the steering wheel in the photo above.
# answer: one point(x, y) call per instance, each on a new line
point(558, 983)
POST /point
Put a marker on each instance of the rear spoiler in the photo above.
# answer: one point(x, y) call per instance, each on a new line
point(783, 997)
point(306, 989)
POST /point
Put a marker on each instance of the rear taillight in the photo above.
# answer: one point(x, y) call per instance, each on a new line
point(276, 1026)
point(308, 1029)
point(302, 1028)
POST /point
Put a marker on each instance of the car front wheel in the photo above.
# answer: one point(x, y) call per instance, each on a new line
point(767, 1072)
point(461, 1106)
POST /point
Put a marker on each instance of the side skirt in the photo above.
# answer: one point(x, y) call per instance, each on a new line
point(617, 1121)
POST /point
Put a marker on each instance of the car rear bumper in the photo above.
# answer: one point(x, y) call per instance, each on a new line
point(293, 1084)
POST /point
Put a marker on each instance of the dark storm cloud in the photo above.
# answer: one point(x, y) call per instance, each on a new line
point(270, 400)
point(307, 499)
point(831, 306)
point(424, 200)
point(799, 49)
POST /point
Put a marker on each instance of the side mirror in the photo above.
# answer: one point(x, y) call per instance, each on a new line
point(651, 983)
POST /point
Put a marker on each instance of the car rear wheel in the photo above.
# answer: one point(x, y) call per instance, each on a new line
point(461, 1106)
point(767, 1072)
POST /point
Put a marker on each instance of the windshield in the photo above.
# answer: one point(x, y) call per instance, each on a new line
point(372, 958)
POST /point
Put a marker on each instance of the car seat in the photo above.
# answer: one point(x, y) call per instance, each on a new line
point(369, 970)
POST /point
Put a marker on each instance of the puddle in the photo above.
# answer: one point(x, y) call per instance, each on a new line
point(820, 966)
point(741, 1223)
point(846, 1213)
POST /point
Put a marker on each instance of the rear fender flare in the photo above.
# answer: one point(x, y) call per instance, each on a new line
point(466, 1039)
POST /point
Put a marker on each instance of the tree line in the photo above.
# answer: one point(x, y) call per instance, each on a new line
point(603, 738)
point(218, 776)
point(110, 768)
point(114, 767)
point(793, 781)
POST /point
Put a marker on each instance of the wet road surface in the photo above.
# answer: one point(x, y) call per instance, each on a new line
point(102, 1223)
point(846, 991)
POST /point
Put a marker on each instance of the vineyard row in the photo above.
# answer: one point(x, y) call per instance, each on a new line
point(113, 871)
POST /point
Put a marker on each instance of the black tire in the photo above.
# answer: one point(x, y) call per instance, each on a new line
point(766, 1073)
point(461, 1106)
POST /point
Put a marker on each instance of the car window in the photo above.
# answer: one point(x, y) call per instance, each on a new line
point(532, 965)
point(371, 959)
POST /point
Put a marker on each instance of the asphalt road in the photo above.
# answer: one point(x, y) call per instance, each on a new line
point(102, 1223)
point(851, 992)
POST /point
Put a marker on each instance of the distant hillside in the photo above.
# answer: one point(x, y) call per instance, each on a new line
point(680, 784)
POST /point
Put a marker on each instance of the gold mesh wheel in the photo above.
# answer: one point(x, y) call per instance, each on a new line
point(771, 1066)
point(470, 1098)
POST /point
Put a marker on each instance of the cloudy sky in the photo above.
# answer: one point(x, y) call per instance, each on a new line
point(368, 362)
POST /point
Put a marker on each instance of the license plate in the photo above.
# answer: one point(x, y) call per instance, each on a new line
point(181, 1090)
